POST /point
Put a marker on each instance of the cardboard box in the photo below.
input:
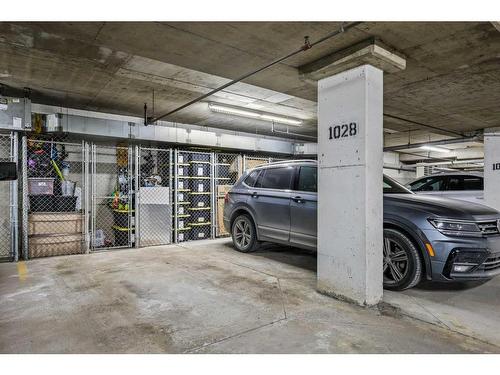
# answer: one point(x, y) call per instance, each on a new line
point(52, 245)
point(221, 230)
point(223, 189)
point(253, 163)
point(40, 223)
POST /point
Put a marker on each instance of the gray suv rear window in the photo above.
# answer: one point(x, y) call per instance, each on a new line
point(308, 179)
point(251, 178)
point(276, 178)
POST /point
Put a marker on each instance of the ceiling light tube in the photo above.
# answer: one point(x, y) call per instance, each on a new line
point(435, 149)
point(254, 114)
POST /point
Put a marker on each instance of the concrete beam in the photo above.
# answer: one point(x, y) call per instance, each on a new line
point(111, 126)
point(371, 51)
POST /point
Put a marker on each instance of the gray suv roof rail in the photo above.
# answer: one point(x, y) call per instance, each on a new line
point(289, 161)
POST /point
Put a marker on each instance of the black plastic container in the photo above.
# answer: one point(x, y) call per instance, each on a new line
point(183, 170)
point(199, 157)
point(199, 232)
point(64, 203)
point(41, 203)
point(120, 218)
point(196, 183)
point(199, 200)
point(199, 216)
point(200, 169)
point(121, 235)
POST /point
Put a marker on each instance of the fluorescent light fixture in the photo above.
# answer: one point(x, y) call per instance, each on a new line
point(253, 114)
point(435, 149)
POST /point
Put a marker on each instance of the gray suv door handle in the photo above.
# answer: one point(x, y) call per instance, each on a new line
point(255, 195)
point(298, 199)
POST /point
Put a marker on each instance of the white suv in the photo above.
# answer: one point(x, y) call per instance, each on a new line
point(456, 185)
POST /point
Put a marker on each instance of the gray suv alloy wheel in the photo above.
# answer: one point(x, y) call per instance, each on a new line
point(402, 266)
point(243, 233)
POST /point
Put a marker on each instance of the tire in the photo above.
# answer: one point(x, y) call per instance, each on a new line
point(244, 234)
point(402, 264)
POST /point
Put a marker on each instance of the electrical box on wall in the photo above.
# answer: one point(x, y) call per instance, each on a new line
point(15, 113)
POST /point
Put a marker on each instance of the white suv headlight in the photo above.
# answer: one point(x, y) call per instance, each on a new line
point(456, 227)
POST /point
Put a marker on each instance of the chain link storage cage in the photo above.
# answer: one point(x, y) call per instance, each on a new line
point(112, 216)
point(8, 201)
point(228, 169)
point(154, 200)
point(193, 197)
point(54, 192)
point(253, 161)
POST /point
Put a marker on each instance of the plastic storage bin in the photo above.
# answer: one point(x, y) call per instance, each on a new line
point(199, 231)
point(121, 235)
point(198, 185)
point(121, 218)
point(200, 169)
point(40, 186)
point(41, 203)
point(64, 203)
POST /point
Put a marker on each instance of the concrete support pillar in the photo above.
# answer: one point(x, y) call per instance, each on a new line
point(350, 201)
point(492, 168)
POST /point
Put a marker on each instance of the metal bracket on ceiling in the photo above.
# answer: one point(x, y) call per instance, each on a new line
point(307, 43)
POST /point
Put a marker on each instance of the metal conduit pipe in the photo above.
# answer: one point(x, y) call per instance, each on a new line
point(294, 134)
point(433, 143)
point(287, 132)
point(307, 45)
point(421, 124)
point(400, 168)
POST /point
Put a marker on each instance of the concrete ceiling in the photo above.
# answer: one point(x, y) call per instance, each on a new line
point(452, 79)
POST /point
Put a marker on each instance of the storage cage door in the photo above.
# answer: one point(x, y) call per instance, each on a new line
point(228, 169)
point(193, 212)
point(112, 199)
point(154, 183)
point(54, 193)
point(8, 202)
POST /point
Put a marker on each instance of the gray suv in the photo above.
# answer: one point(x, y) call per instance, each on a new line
point(424, 237)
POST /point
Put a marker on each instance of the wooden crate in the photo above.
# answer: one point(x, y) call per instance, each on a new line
point(54, 244)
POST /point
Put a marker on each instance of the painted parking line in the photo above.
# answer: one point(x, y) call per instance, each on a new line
point(22, 270)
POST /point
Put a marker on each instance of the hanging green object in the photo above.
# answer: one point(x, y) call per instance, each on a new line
point(58, 171)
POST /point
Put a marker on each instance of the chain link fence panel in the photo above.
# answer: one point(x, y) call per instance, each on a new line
point(194, 196)
point(250, 162)
point(253, 161)
point(113, 199)
point(55, 197)
point(228, 169)
point(8, 202)
point(154, 183)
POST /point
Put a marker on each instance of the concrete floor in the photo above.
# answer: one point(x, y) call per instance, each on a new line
point(471, 308)
point(201, 297)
